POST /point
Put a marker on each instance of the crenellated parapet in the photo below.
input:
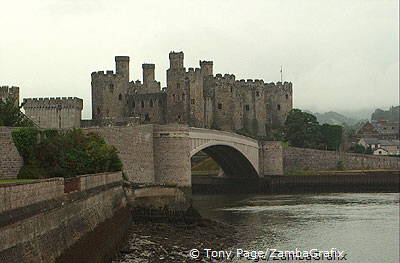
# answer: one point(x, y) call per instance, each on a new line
point(9, 91)
point(226, 78)
point(53, 103)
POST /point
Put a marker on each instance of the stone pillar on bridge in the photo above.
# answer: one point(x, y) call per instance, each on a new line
point(172, 155)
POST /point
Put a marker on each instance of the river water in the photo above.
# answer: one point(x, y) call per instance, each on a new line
point(363, 225)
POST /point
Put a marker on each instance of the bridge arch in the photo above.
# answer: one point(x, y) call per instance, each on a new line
point(236, 155)
point(229, 158)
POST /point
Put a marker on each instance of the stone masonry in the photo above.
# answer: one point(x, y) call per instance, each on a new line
point(193, 96)
point(10, 160)
point(7, 92)
point(54, 113)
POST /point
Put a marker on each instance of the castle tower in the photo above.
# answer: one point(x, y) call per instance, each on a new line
point(206, 68)
point(176, 60)
point(122, 66)
point(9, 92)
point(109, 91)
point(148, 76)
point(177, 89)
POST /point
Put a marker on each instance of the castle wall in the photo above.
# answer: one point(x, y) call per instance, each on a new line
point(148, 108)
point(7, 92)
point(54, 113)
point(194, 97)
point(10, 160)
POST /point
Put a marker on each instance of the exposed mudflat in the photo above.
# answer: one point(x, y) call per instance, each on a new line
point(168, 242)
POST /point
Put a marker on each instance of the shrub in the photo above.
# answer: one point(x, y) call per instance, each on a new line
point(51, 154)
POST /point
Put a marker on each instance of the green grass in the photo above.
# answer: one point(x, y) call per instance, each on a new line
point(207, 165)
point(301, 172)
point(4, 181)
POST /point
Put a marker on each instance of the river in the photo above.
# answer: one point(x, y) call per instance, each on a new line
point(363, 225)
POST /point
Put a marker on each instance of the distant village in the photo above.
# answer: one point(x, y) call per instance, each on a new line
point(381, 137)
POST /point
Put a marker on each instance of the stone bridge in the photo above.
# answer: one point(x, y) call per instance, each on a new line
point(237, 155)
point(161, 154)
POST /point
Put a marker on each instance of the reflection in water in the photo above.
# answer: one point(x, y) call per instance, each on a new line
point(365, 225)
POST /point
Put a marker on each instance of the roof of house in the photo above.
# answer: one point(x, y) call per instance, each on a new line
point(389, 142)
point(370, 140)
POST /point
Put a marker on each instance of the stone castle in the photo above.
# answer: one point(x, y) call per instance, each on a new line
point(193, 96)
point(54, 113)
point(7, 92)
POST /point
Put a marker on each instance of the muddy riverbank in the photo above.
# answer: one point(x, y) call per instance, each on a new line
point(155, 242)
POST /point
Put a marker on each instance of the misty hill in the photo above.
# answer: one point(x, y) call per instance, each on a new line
point(390, 115)
point(333, 118)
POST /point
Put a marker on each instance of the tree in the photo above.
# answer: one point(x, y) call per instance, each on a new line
point(11, 115)
point(302, 129)
point(331, 136)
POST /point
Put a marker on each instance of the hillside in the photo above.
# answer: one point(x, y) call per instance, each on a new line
point(390, 115)
point(333, 118)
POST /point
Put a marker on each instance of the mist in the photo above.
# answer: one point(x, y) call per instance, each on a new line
point(339, 55)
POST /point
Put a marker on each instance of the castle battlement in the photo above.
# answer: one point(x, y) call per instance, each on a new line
point(193, 95)
point(9, 90)
point(53, 102)
point(104, 74)
point(227, 78)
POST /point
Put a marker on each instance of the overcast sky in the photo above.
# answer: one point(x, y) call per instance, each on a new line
point(340, 55)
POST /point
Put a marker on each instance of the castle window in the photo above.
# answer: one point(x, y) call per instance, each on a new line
point(173, 97)
point(287, 96)
point(98, 111)
point(231, 89)
point(133, 104)
point(151, 103)
point(279, 107)
point(146, 117)
point(120, 96)
point(111, 88)
point(183, 96)
point(220, 106)
point(257, 93)
point(178, 85)
point(192, 101)
point(142, 104)
point(247, 107)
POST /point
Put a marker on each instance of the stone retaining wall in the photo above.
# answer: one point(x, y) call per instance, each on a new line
point(40, 230)
point(15, 195)
point(310, 159)
point(10, 160)
point(135, 149)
